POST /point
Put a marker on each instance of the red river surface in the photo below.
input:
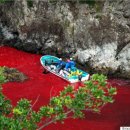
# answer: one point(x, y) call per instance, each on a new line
point(39, 85)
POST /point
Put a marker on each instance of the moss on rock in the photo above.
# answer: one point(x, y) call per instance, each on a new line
point(14, 75)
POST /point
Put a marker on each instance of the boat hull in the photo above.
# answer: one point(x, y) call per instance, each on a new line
point(46, 63)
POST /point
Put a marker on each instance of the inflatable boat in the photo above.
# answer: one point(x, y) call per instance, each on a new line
point(50, 64)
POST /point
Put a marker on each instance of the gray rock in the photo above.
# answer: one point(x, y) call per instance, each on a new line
point(97, 37)
point(127, 13)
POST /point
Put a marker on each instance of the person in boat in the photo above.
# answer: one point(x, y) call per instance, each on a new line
point(69, 65)
point(67, 68)
point(60, 65)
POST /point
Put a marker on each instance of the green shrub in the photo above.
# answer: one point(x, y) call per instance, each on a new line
point(2, 1)
point(2, 77)
point(30, 3)
point(5, 1)
point(89, 2)
point(69, 103)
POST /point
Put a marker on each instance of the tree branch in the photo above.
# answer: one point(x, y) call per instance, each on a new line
point(52, 121)
point(48, 123)
point(33, 104)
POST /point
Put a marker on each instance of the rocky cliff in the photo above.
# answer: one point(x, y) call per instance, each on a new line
point(96, 33)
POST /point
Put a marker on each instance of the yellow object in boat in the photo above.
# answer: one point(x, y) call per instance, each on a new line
point(74, 73)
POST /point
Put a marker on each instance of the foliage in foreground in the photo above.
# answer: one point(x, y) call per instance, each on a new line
point(70, 103)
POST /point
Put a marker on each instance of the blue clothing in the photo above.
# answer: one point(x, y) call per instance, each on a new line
point(70, 65)
point(61, 64)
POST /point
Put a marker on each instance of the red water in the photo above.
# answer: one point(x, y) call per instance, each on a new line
point(39, 85)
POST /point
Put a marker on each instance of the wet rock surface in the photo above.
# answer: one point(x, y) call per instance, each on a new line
point(14, 75)
point(98, 35)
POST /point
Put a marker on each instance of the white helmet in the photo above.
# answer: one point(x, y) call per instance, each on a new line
point(60, 58)
point(71, 58)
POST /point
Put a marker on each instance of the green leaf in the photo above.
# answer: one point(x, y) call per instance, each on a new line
point(112, 91)
point(61, 116)
point(108, 99)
